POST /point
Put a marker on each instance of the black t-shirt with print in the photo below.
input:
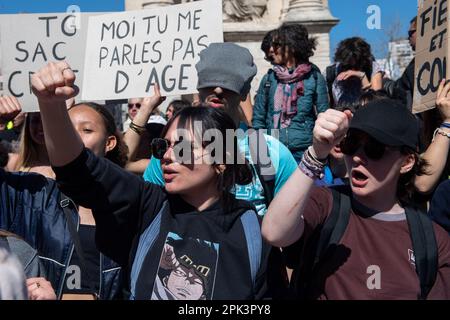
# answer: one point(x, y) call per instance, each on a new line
point(207, 250)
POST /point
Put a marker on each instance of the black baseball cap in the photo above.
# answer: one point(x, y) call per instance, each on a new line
point(389, 122)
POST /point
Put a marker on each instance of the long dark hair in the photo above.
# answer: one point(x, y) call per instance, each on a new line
point(237, 170)
point(354, 53)
point(119, 154)
point(296, 40)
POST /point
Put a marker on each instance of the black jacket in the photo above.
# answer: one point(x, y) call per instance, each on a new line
point(30, 207)
point(207, 250)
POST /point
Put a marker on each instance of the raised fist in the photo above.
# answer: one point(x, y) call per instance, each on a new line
point(330, 128)
point(9, 108)
point(54, 82)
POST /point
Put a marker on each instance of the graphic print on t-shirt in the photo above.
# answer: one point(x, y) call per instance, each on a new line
point(187, 269)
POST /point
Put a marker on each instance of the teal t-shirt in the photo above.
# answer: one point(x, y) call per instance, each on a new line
point(282, 161)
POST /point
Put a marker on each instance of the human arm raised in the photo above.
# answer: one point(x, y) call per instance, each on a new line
point(283, 223)
point(132, 136)
point(9, 108)
point(437, 152)
point(53, 85)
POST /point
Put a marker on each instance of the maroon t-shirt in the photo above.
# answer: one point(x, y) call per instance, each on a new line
point(375, 258)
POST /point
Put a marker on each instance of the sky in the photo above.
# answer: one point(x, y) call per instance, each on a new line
point(352, 14)
point(353, 21)
point(43, 6)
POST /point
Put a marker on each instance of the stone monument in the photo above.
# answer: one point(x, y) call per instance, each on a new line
point(247, 21)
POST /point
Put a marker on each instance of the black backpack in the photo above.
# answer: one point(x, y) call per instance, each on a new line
point(326, 239)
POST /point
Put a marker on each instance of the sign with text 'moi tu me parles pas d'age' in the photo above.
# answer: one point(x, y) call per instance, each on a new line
point(30, 41)
point(128, 52)
point(432, 52)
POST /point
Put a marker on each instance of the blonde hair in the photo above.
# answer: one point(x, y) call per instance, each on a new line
point(28, 149)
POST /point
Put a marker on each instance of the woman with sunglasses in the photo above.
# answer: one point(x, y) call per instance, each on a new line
point(140, 225)
point(293, 91)
point(374, 256)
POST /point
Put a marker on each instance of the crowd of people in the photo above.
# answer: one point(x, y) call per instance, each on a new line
point(329, 187)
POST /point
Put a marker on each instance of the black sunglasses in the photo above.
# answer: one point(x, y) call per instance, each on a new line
point(161, 145)
point(371, 147)
point(130, 105)
point(410, 33)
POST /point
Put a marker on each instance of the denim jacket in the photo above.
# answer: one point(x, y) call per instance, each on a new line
point(30, 207)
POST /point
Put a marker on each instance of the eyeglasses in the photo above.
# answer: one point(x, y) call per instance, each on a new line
point(161, 145)
point(371, 147)
point(131, 105)
point(410, 33)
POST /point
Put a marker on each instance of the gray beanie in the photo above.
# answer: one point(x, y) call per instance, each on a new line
point(226, 65)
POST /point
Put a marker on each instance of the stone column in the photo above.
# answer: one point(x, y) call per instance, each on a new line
point(146, 4)
point(316, 16)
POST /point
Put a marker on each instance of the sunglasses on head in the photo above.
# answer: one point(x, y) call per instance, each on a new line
point(372, 148)
point(131, 105)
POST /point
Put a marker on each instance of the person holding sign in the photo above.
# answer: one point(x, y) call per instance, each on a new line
point(162, 228)
point(436, 155)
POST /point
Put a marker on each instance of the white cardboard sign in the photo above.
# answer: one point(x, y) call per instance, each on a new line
point(30, 41)
point(128, 52)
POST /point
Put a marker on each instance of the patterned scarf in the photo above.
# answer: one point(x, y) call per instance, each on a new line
point(290, 87)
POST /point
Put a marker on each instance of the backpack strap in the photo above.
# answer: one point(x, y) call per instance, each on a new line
point(334, 227)
point(259, 152)
point(267, 86)
point(146, 241)
point(425, 249)
point(252, 230)
point(66, 203)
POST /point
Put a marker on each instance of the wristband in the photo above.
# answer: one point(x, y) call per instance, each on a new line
point(441, 132)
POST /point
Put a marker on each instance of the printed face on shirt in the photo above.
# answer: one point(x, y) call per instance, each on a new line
point(192, 177)
point(187, 269)
point(91, 128)
point(185, 284)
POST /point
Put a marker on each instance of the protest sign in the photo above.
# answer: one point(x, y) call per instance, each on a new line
point(431, 52)
point(30, 41)
point(128, 52)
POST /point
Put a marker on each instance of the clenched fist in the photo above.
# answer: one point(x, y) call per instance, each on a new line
point(330, 128)
point(54, 82)
point(9, 108)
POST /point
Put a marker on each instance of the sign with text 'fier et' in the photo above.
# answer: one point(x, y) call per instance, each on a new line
point(432, 52)
point(30, 41)
point(127, 53)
